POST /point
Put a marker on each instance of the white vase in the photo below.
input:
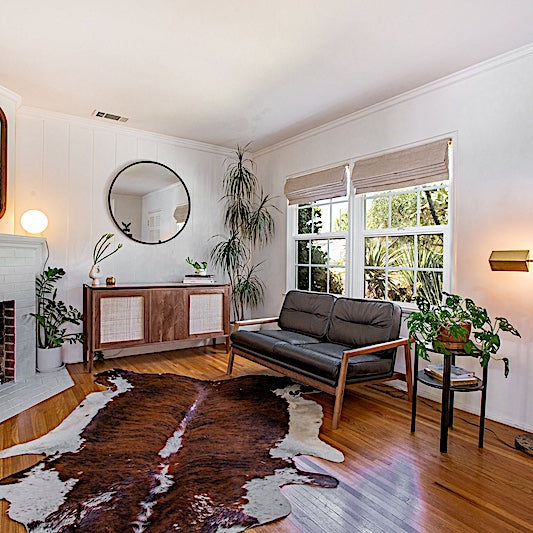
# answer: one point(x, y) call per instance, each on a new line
point(200, 271)
point(49, 359)
point(96, 274)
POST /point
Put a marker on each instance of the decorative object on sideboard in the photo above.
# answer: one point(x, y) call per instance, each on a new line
point(110, 281)
point(3, 163)
point(250, 224)
point(149, 202)
point(53, 316)
point(429, 326)
point(100, 252)
point(34, 221)
point(200, 267)
point(510, 260)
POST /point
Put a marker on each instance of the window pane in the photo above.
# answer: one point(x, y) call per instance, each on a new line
point(321, 219)
point(337, 252)
point(319, 252)
point(302, 252)
point(375, 283)
point(403, 210)
point(431, 251)
point(339, 216)
point(319, 279)
point(429, 285)
point(375, 251)
point(402, 251)
point(400, 285)
point(433, 207)
point(377, 212)
point(336, 280)
point(302, 281)
point(304, 220)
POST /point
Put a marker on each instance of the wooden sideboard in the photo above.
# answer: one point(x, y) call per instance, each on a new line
point(123, 316)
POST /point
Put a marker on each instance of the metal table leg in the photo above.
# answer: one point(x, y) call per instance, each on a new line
point(445, 412)
point(483, 405)
point(415, 388)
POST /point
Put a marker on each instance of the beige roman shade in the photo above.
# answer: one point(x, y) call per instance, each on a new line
point(405, 168)
point(329, 183)
point(180, 213)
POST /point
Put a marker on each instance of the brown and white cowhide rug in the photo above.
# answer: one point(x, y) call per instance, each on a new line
point(166, 453)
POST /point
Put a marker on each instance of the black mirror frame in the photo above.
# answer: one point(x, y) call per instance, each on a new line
point(3, 163)
point(116, 222)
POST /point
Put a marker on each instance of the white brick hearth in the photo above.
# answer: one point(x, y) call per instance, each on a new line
point(21, 259)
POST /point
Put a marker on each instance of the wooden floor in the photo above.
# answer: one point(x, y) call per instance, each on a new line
point(391, 480)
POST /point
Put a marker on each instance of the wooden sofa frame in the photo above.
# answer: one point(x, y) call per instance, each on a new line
point(337, 391)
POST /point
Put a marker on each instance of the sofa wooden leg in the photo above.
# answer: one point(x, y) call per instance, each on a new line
point(408, 371)
point(230, 361)
point(339, 392)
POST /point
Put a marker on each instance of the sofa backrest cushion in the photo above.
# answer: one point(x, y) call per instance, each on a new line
point(360, 322)
point(306, 312)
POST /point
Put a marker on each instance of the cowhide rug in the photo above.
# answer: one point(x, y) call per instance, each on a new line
point(166, 453)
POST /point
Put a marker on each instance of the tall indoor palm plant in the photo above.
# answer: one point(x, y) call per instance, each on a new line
point(249, 222)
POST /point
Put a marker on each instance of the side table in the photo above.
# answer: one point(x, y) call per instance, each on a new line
point(448, 391)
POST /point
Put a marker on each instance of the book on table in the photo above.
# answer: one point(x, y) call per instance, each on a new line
point(199, 278)
point(458, 375)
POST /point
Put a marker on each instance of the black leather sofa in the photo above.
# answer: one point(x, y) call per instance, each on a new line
point(327, 342)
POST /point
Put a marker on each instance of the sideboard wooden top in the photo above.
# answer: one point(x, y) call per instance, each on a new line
point(154, 285)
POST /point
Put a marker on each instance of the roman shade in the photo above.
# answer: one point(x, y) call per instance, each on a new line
point(180, 213)
point(405, 168)
point(329, 183)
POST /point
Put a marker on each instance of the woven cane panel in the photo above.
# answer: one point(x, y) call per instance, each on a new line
point(121, 319)
point(205, 313)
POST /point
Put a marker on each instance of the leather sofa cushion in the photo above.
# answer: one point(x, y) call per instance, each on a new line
point(306, 313)
point(358, 323)
point(323, 360)
point(265, 340)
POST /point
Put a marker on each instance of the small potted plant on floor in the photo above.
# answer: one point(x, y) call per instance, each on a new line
point(53, 316)
point(450, 325)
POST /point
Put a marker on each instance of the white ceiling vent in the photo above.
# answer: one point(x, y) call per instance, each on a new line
point(109, 116)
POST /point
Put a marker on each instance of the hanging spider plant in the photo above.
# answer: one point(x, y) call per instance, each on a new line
point(250, 224)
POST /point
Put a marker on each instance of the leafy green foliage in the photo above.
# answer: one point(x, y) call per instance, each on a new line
point(101, 247)
point(249, 220)
point(52, 314)
point(426, 324)
point(196, 264)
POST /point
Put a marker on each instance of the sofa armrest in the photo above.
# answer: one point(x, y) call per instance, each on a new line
point(375, 348)
point(254, 321)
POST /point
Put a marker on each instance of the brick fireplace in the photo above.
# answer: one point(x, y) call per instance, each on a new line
point(21, 258)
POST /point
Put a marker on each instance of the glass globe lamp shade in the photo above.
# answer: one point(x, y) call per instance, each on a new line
point(34, 221)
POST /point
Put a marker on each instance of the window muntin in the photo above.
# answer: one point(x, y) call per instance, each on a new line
point(320, 246)
point(405, 233)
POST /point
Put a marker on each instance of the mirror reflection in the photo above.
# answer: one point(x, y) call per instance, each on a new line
point(149, 202)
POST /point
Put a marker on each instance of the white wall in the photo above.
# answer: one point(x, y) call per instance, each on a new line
point(489, 111)
point(64, 167)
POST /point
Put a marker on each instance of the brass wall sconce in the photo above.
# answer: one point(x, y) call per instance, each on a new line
point(510, 260)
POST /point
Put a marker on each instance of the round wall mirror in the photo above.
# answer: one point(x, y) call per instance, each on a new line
point(149, 202)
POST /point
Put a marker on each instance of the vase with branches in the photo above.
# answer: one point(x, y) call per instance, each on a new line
point(100, 252)
point(250, 225)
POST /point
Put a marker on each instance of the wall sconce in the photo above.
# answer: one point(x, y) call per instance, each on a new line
point(34, 221)
point(510, 260)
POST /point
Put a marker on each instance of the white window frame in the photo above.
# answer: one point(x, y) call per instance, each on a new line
point(355, 244)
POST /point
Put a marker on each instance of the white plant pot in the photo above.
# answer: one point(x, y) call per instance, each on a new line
point(49, 359)
point(96, 274)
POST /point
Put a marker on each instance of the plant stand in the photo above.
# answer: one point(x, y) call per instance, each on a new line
point(448, 392)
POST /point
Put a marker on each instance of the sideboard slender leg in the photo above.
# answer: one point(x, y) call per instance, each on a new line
point(445, 412)
point(483, 405)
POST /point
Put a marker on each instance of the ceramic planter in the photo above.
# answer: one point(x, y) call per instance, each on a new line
point(49, 359)
point(450, 342)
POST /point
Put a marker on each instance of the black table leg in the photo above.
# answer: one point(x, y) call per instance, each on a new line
point(452, 397)
point(483, 404)
point(415, 388)
point(445, 412)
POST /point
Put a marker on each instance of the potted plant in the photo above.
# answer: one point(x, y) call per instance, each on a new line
point(99, 254)
point(449, 325)
point(250, 225)
point(52, 317)
point(200, 268)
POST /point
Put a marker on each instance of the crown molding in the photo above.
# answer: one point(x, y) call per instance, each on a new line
point(93, 123)
point(456, 77)
point(10, 95)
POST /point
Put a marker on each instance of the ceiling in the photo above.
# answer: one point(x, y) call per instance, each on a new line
point(233, 71)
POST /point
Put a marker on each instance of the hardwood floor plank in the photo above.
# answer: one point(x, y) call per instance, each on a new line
point(391, 480)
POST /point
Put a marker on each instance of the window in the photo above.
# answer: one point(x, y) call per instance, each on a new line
point(404, 236)
point(320, 246)
point(385, 244)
